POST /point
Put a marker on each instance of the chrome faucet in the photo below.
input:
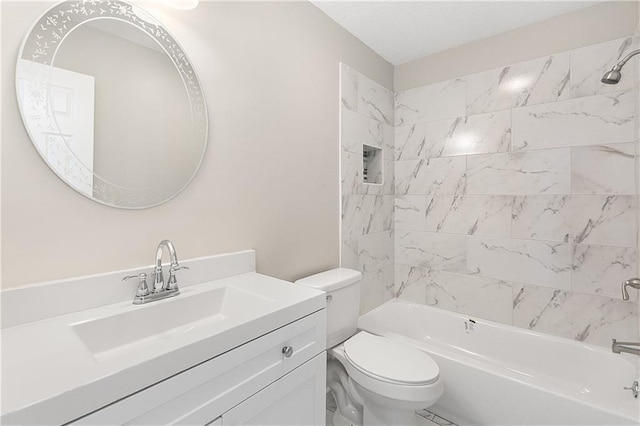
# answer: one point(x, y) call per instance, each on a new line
point(158, 282)
point(619, 347)
point(160, 289)
point(633, 282)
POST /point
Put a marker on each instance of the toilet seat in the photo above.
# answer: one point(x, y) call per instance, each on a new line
point(390, 361)
point(369, 363)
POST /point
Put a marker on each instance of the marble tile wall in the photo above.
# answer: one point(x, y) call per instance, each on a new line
point(515, 194)
point(367, 118)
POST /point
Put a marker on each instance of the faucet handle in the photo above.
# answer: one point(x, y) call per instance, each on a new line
point(143, 288)
point(173, 282)
point(177, 268)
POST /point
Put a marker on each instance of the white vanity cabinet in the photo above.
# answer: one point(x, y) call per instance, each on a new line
point(232, 338)
point(260, 382)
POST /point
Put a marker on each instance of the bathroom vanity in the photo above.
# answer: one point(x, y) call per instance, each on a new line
point(235, 347)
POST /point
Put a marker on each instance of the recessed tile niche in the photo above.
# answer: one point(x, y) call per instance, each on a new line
point(371, 165)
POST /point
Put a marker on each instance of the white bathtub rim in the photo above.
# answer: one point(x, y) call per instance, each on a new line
point(502, 326)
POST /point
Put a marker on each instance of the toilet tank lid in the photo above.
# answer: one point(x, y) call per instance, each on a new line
point(331, 280)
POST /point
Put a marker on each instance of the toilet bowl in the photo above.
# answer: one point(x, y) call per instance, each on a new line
point(374, 380)
point(391, 380)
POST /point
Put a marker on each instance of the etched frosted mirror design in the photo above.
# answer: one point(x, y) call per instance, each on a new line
point(112, 103)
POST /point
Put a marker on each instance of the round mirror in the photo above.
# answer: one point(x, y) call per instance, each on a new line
point(111, 103)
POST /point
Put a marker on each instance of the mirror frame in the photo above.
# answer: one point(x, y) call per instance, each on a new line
point(44, 39)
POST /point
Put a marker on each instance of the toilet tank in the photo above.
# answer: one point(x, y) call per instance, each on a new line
point(342, 286)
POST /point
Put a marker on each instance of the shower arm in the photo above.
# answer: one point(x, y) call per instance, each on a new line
point(624, 60)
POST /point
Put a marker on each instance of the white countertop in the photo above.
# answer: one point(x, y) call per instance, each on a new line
point(50, 376)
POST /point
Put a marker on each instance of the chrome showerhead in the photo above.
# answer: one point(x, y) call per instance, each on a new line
point(612, 77)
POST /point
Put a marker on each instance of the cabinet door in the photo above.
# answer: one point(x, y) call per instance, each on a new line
point(297, 399)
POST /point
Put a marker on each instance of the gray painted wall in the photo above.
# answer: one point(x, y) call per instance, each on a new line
point(607, 21)
point(270, 177)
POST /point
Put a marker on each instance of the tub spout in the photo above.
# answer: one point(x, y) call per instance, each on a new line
point(633, 282)
point(619, 347)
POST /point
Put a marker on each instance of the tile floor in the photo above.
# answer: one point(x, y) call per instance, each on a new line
point(424, 417)
point(427, 418)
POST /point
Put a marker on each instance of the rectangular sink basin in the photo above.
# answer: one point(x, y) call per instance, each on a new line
point(143, 325)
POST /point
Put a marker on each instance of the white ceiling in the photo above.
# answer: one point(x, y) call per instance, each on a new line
point(401, 31)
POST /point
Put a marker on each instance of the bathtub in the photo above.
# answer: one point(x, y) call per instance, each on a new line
point(496, 374)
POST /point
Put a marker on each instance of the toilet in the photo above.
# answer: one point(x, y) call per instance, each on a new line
point(374, 380)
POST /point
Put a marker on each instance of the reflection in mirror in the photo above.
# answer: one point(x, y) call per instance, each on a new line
point(112, 105)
